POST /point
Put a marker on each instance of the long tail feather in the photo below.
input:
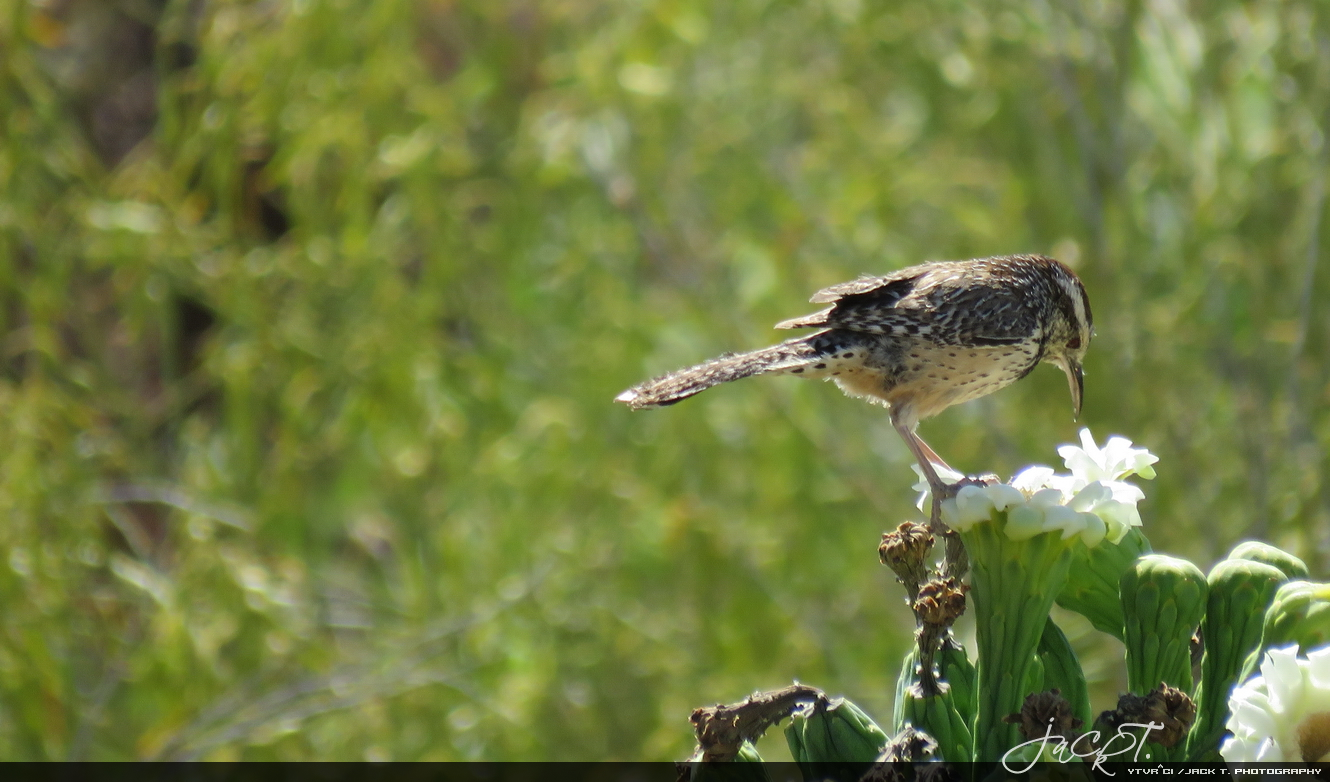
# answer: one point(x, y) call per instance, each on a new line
point(677, 386)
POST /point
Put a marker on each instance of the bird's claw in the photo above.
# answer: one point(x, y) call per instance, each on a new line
point(950, 490)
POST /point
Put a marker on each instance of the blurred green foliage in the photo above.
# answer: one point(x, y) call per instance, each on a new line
point(313, 311)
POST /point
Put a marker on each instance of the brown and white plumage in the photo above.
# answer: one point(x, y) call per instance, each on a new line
point(919, 340)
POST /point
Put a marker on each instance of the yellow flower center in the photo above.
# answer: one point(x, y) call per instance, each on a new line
point(1314, 737)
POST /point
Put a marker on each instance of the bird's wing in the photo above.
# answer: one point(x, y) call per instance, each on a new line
point(934, 299)
point(888, 287)
point(865, 293)
point(988, 315)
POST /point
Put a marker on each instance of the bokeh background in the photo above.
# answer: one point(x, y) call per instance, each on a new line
point(313, 311)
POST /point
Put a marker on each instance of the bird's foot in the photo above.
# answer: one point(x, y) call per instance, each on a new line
point(956, 562)
point(950, 490)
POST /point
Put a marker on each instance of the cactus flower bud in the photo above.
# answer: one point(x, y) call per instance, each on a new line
point(938, 716)
point(834, 732)
point(1240, 592)
point(1163, 600)
point(1299, 614)
point(1256, 551)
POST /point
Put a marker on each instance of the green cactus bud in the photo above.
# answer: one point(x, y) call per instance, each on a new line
point(1062, 671)
point(1163, 600)
point(938, 716)
point(953, 667)
point(1240, 592)
point(1299, 614)
point(747, 766)
point(1092, 582)
point(834, 732)
point(1256, 551)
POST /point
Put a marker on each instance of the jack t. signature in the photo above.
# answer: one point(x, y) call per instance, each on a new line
point(1065, 751)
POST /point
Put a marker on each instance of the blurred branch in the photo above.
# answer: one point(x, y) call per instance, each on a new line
point(172, 495)
point(1300, 429)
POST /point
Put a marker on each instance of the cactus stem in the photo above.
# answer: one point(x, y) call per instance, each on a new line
point(1014, 584)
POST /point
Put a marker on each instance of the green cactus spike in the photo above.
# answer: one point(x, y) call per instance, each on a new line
point(1092, 582)
point(837, 736)
point(1256, 551)
point(1240, 592)
point(938, 716)
point(1013, 585)
point(1063, 671)
point(1299, 614)
point(1163, 600)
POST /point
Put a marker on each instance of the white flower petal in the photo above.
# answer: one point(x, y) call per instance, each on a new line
point(1069, 485)
point(972, 505)
point(1234, 751)
point(1114, 519)
point(1024, 522)
point(1081, 464)
point(1122, 460)
point(1119, 516)
point(1270, 751)
point(945, 474)
point(1283, 678)
point(1032, 478)
point(949, 516)
point(1125, 492)
point(1063, 519)
point(1004, 496)
point(1093, 529)
point(1090, 496)
point(1318, 667)
point(1046, 498)
point(1251, 715)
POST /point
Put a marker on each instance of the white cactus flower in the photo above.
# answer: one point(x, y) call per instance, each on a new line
point(1092, 502)
point(1282, 715)
point(1115, 461)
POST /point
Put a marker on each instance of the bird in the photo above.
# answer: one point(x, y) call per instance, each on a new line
point(919, 340)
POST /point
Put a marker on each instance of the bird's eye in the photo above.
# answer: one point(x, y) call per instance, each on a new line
point(1074, 344)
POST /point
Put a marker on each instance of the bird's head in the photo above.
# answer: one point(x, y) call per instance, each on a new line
point(1070, 326)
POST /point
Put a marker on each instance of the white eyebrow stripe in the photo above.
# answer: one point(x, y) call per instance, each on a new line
point(1073, 292)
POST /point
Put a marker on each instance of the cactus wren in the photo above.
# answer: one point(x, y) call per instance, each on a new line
point(919, 340)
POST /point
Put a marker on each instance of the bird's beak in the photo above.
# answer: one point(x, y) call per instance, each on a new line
point(1076, 379)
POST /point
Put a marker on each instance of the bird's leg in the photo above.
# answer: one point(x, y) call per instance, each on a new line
point(955, 562)
point(925, 457)
point(930, 453)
